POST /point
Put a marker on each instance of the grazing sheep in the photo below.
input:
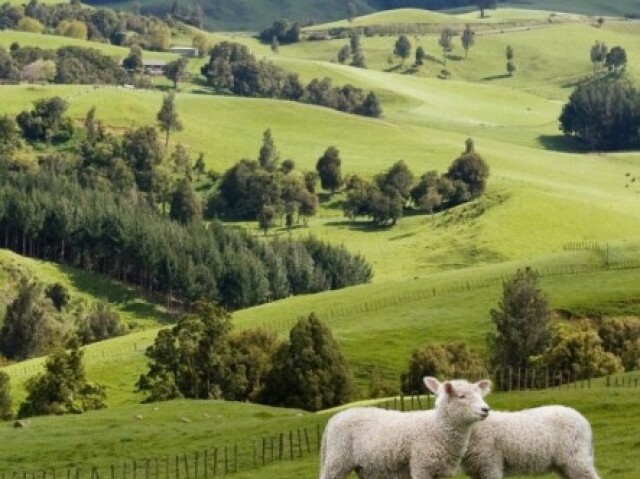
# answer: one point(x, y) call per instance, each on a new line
point(379, 444)
point(530, 442)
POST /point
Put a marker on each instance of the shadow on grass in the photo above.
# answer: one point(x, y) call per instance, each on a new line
point(392, 69)
point(562, 143)
point(131, 300)
point(365, 226)
point(495, 77)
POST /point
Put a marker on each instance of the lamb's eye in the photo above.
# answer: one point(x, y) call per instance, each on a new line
point(461, 396)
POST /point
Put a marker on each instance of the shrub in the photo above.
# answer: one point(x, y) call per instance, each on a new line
point(62, 388)
point(621, 336)
point(441, 360)
point(309, 372)
point(579, 353)
point(99, 323)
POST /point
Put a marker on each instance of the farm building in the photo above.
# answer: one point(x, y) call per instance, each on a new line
point(185, 51)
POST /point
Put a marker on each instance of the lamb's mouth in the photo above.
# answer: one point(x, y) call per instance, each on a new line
point(483, 415)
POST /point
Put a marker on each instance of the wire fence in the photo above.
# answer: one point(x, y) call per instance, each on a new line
point(333, 314)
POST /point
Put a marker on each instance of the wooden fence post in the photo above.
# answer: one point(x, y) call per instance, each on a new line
point(306, 439)
point(215, 461)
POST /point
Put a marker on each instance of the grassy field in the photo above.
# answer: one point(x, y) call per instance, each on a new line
point(180, 427)
point(134, 310)
point(435, 278)
point(7, 37)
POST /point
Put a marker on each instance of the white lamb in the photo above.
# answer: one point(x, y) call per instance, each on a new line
point(379, 444)
point(530, 442)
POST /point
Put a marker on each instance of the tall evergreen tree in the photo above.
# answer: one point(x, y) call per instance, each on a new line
point(520, 321)
point(268, 156)
point(168, 117)
point(185, 204)
point(468, 39)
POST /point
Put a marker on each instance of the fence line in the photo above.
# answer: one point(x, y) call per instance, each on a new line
point(292, 444)
point(432, 292)
point(332, 314)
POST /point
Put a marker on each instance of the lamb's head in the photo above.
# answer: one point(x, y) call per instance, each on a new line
point(460, 400)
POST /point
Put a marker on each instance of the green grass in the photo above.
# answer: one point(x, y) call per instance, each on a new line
point(586, 7)
point(118, 435)
point(542, 194)
point(82, 285)
point(7, 37)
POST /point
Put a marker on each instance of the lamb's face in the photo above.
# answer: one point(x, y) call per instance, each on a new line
point(461, 399)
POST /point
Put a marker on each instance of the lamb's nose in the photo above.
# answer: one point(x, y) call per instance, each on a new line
point(486, 410)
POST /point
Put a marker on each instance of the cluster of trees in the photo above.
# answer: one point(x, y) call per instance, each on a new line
point(41, 318)
point(614, 60)
point(61, 389)
point(97, 24)
point(264, 189)
point(69, 64)
point(189, 14)
point(524, 337)
point(603, 114)
point(384, 199)
point(55, 218)
point(282, 32)
point(200, 358)
point(353, 50)
point(233, 69)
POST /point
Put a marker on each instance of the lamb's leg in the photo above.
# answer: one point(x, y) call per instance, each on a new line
point(335, 468)
point(579, 471)
point(488, 472)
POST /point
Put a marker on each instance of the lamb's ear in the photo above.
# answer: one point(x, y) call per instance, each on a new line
point(432, 384)
point(448, 388)
point(485, 386)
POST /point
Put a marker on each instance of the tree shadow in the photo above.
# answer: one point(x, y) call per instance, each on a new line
point(363, 225)
point(495, 77)
point(132, 299)
point(454, 58)
point(562, 143)
point(394, 68)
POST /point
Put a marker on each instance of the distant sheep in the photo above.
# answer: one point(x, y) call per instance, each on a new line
point(379, 444)
point(531, 442)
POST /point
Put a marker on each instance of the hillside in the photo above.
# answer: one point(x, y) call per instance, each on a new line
point(573, 216)
point(227, 15)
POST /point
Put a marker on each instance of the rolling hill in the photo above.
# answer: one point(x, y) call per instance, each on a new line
point(436, 277)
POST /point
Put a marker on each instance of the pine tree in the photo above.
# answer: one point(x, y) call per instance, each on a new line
point(185, 204)
point(168, 117)
point(468, 39)
point(520, 321)
point(268, 157)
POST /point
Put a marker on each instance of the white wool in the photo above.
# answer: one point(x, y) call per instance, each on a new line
point(379, 444)
point(530, 442)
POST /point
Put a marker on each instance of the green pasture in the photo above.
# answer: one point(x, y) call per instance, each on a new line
point(182, 427)
point(7, 37)
point(132, 308)
point(585, 7)
point(397, 316)
point(435, 277)
point(548, 65)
